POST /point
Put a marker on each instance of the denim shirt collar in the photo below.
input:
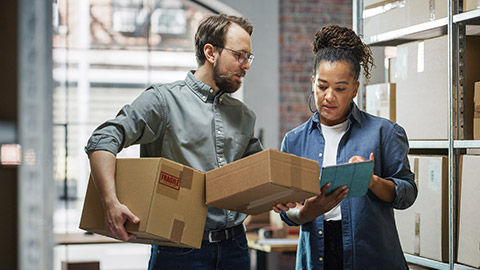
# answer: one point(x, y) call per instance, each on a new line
point(354, 116)
point(200, 89)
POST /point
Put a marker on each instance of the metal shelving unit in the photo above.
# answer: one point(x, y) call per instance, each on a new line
point(457, 25)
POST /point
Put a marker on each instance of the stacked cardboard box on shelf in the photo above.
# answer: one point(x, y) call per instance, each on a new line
point(381, 100)
point(469, 215)
point(421, 77)
point(380, 16)
point(423, 228)
point(470, 5)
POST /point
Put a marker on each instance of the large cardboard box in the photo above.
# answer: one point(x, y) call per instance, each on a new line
point(381, 100)
point(254, 184)
point(476, 116)
point(169, 199)
point(469, 215)
point(389, 15)
point(423, 228)
point(421, 77)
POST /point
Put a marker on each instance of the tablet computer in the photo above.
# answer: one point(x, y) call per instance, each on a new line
point(355, 175)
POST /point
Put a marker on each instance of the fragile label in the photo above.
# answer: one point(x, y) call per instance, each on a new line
point(435, 175)
point(169, 180)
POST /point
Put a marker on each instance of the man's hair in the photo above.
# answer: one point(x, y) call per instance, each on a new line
point(213, 30)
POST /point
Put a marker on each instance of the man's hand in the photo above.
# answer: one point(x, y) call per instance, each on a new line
point(115, 218)
point(284, 207)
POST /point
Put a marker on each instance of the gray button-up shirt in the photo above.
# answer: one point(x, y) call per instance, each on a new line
point(187, 122)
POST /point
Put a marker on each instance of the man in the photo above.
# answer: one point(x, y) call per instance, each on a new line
point(194, 122)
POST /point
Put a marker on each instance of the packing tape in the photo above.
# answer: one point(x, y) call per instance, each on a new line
point(416, 247)
point(432, 10)
point(295, 171)
point(186, 178)
point(177, 230)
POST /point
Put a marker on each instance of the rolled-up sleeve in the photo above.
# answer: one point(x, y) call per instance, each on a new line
point(397, 168)
point(138, 123)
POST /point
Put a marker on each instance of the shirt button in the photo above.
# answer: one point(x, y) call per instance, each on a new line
point(320, 232)
point(204, 97)
point(220, 159)
point(219, 132)
point(228, 212)
point(221, 99)
point(211, 90)
point(320, 155)
point(320, 259)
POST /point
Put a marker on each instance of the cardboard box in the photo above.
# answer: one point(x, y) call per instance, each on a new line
point(169, 199)
point(469, 215)
point(389, 15)
point(254, 184)
point(421, 76)
point(423, 228)
point(381, 100)
point(470, 5)
point(476, 113)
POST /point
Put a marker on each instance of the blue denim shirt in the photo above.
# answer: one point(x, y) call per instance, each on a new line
point(370, 238)
point(187, 122)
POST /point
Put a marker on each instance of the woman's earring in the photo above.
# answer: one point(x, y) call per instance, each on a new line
point(309, 103)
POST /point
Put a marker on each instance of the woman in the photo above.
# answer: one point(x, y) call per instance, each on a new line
point(360, 232)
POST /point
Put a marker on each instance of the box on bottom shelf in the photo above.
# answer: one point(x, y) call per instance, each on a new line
point(469, 214)
point(423, 228)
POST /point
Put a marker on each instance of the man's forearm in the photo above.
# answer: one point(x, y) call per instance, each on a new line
point(102, 165)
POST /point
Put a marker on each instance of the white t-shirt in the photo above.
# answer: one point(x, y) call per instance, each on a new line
point(332, 135)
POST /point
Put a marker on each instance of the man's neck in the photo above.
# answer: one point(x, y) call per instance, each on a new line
point(204, 74)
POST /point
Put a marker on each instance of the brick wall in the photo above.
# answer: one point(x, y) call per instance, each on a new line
point(299, 21)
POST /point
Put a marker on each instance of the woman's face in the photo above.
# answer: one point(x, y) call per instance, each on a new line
point(334, 87)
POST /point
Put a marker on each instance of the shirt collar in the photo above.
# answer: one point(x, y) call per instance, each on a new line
point(200, 89)
point(354, 116)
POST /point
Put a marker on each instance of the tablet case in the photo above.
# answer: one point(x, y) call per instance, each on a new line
point(355, 175)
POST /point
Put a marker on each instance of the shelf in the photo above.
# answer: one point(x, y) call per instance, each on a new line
point(463, 267)
point(426, 262)
point(428, 144)
point(469, 17)
point(466, 144)
point(416, 32)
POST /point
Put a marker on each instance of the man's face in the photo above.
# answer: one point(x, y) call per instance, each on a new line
point(228, 72)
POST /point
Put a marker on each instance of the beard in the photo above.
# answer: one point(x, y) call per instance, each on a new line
point(226, 81)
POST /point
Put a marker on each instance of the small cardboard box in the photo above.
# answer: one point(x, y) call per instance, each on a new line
point(254, 184)
point(381, 100)
point(470, 5)
point(469, 216)
point(423, 227)
point(169, 199)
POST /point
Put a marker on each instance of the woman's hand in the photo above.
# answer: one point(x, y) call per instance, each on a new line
point(382, 188)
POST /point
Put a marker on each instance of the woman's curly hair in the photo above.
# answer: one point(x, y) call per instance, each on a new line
point(335, 43)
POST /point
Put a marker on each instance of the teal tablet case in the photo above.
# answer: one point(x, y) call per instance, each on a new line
point(355, 175)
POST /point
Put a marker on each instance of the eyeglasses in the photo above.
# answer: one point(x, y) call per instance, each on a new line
point(242, 56)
